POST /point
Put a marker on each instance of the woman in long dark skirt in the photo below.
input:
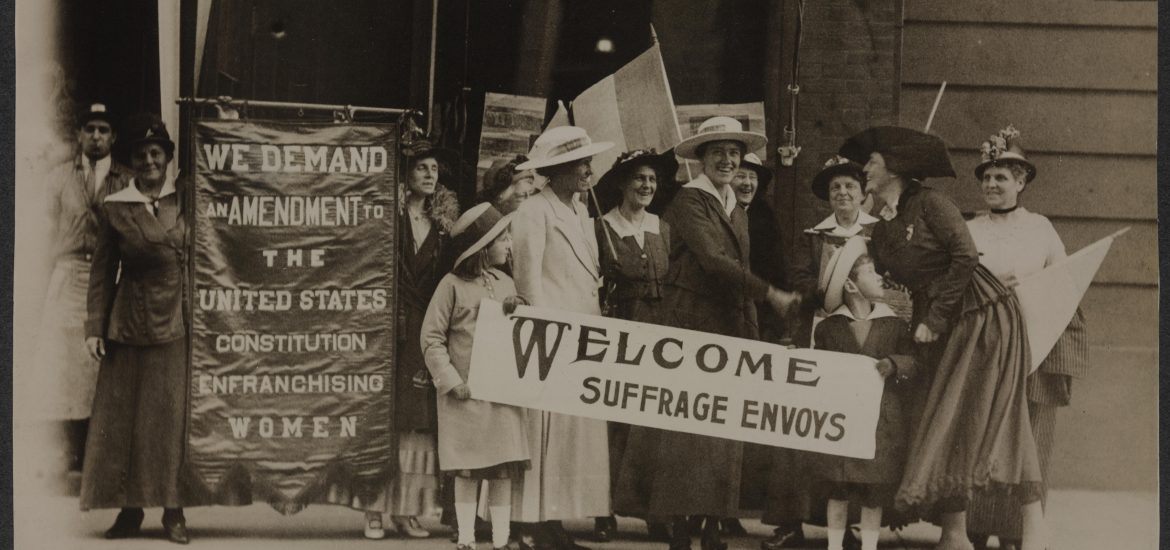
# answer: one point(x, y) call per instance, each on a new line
point(137, 327)
point(973, 427)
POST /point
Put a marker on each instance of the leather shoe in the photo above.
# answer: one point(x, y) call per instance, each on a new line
point(657, 531)
point(711, 541)
point(128, 524)
point(603, 528)
point(732, 527)
point(779, 540)
point(175, 527)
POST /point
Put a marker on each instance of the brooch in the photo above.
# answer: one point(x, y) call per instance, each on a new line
point(909, 231)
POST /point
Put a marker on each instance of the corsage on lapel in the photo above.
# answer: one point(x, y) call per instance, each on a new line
point(909, 232)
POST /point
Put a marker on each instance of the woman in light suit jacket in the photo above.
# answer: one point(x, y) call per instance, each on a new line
point(555, 265)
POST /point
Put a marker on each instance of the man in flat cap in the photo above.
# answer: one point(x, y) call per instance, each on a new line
point(75, 191)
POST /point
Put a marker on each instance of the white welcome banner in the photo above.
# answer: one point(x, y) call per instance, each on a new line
point(676, 379)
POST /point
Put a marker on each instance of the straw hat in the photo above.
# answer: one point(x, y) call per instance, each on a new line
point(907, 152)
point(560, 145)
point(720, 128)
point(477, 228)
point(1003, 149)
point(836, 166)
point(832, 280)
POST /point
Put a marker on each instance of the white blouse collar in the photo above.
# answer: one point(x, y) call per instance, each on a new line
point(880, 311)
point(830, 225)
point(626, 228)
point(727, 198)
point(131, 193)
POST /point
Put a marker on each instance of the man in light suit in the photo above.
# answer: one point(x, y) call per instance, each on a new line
point(556, 266)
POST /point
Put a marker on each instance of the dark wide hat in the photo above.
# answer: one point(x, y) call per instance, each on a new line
point(95, 111)
point(422, 149)
point(836, 166)
point(908, 153)
point(146, 128)
point(609, 186)
point(763, 173)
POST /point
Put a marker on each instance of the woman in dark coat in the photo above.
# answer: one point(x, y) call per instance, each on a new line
point(709, 287)
point(973, 429)
point(634, 247)
point(429, 211)
point(137, 327)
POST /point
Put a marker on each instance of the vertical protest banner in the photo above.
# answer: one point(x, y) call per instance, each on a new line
point(511, 123)
point(1050, 297)
point(633, 108)
point(751, 115)
point(293, 324)
point(676, 379)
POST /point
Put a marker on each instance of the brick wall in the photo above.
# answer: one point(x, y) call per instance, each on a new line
point(848, 82)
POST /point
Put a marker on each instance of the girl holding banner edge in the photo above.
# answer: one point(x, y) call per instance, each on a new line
point(478, 440)
point(973, 429)
point(1014, 243)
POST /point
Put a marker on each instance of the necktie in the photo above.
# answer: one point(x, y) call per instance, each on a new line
point(91, 177)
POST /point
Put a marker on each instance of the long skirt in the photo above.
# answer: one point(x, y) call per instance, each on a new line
point(569, 474)
point(974, 430)
point(66, 375)
point(134, 453)
point(414, 488)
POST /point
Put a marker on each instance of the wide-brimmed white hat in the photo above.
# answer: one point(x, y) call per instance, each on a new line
point(832, 280)
point(560, 145)
point(477, 228)
point(720, 128)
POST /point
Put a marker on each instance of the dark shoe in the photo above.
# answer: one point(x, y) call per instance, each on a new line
point(128, 524)
point(784, 539)
point(603, 528)
point(695, 526)
point(561, 540)
point(175, 526)
point(851, 542)
point(658, 532)
point(711, 540)
point(732, 527)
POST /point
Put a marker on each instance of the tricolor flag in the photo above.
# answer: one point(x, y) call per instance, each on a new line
point(1050, 297)
point(632, 108)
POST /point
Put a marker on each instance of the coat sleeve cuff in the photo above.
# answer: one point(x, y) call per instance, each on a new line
point(446, 379)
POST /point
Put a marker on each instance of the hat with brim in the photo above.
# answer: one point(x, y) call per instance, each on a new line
point(908, 153)
point(1003, 149)
point(1006, 159)
point(147, 128)
point(423, 149)
point(836, 166)
point(609, 186)
point(561, 145)
point(96, 111)
point(764, 174)
point(836, 271)
point(720, 128)
point(477, 228)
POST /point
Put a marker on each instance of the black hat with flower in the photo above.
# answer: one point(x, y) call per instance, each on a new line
point(836, 166)
point(609, 186)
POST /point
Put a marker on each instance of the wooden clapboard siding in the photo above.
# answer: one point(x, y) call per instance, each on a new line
point(1075, 121)
point(1072, 185)
point(1120, 452)
point(1049, 13)
point(978, 54)
point(1078, 79)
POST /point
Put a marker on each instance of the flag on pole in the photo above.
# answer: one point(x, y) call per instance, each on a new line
point(632, 108)
point(1050, 297)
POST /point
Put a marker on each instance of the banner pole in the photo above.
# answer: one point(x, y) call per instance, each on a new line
point(937, 99)
point(233, 102)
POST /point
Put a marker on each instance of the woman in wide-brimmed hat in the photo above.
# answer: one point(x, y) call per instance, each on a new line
point(1014, 243)
point(970, 334)
point(137, 328)
point(709, 287)
point(429, 210)
point(478, 441)
point(555, 264)
point(634, 245)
